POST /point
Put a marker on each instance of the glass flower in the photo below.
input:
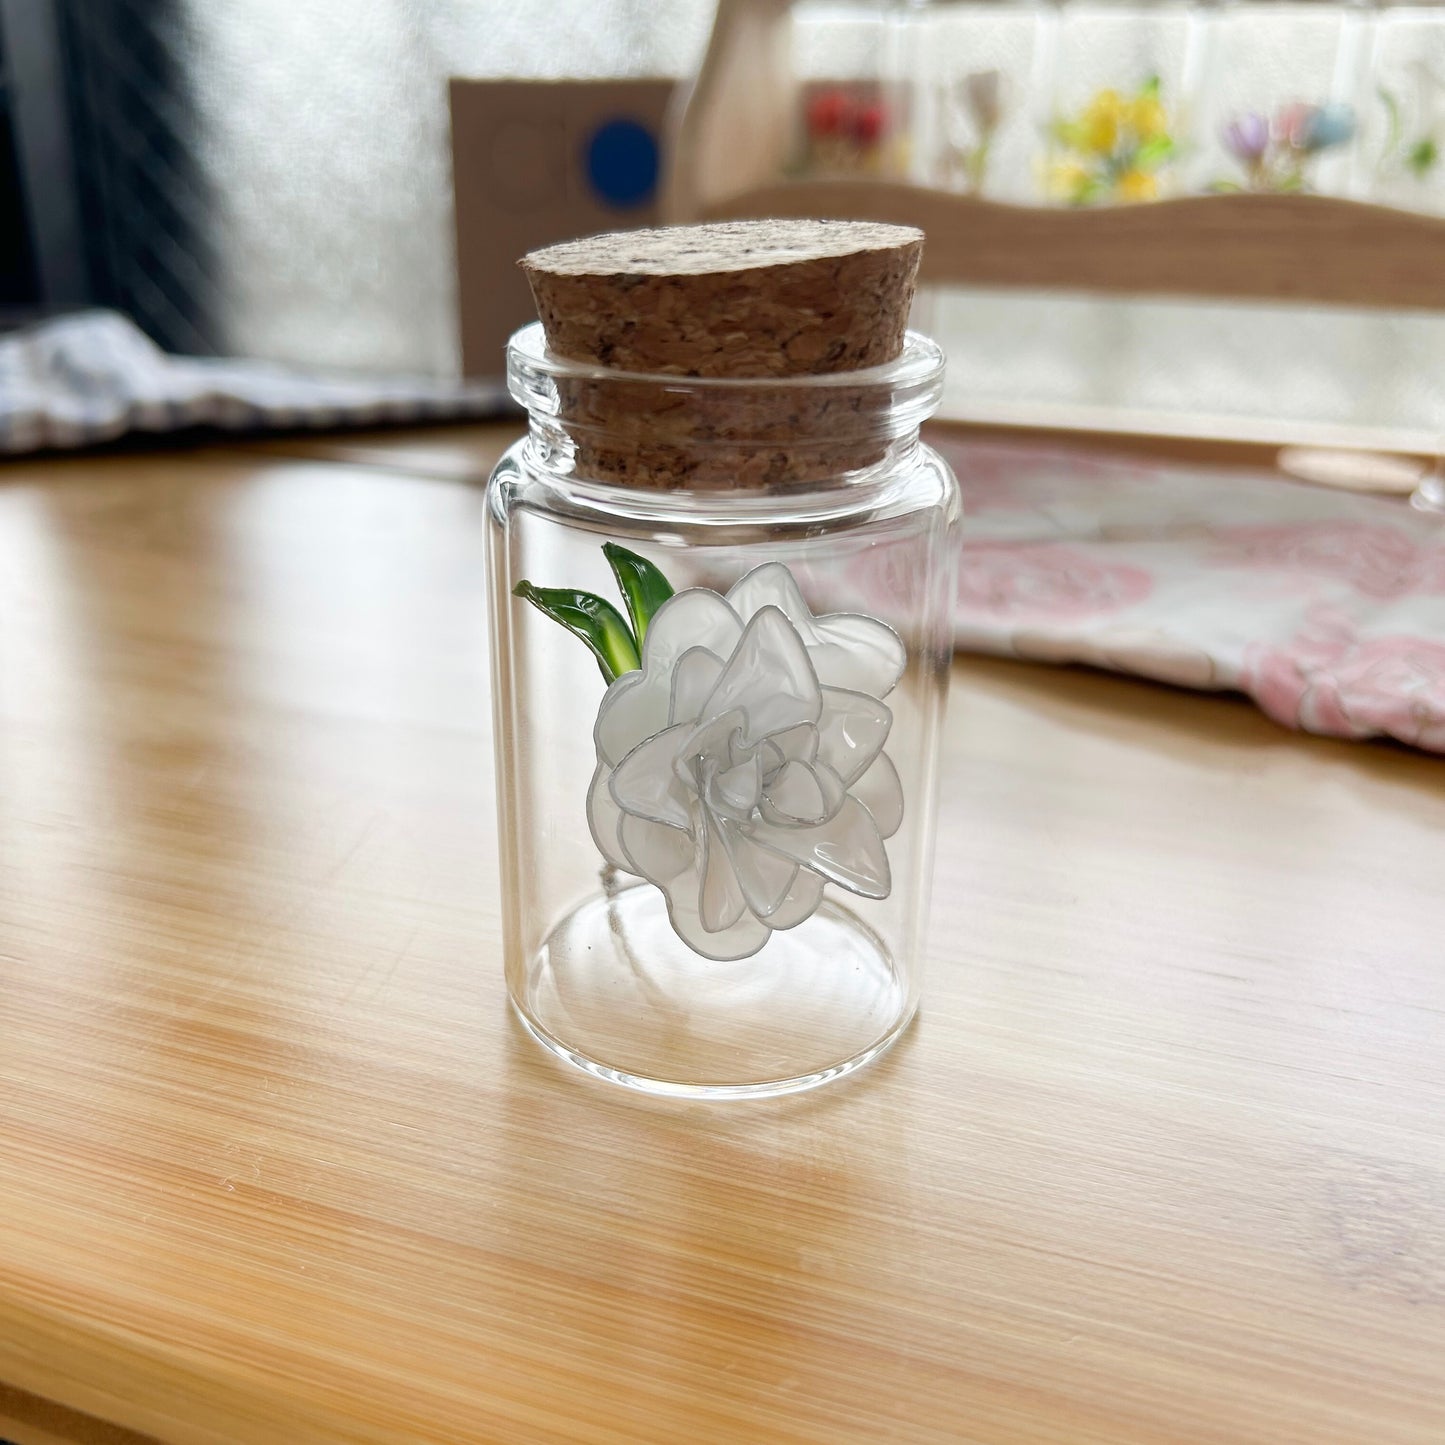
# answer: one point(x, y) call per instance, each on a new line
point(741, 767)
point(1279, 157)
point(1136, 185)
point(1246, 137)
point(983, 95)
point(1117, 148)
point(972, 114)
point(1312, 128)
point(1415, 122)
point(1101, 122)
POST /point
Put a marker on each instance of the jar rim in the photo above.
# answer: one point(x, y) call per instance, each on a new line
point(719, 433)
point(919, 365)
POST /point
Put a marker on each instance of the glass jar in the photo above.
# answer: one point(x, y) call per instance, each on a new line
point(854, 62)
point(1126, 83)
point(1404, 128)
point(1282, 101)
point(716, 840)
point(985, 70)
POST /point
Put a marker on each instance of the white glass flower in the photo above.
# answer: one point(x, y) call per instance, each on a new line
point(741, 768)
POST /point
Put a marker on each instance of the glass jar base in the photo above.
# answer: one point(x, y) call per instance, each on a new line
point(615, 992)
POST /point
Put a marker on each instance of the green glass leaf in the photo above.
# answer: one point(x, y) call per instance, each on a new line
point(1422, 156)
point(1395, 127)
point(1154, 153)
point(596, 621)
point(643, 587)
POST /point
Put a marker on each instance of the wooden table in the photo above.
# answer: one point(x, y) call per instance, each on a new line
point(1163, 1160)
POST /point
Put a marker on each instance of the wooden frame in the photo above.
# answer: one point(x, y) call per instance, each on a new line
point(1242, 247)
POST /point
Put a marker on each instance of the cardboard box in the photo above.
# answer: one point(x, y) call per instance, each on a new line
point(534, 162)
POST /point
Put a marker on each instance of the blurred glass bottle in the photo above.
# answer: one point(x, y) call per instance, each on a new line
point(859, 88)
point(984, 74)
point(1403, 140)
point(1128, 73)
point(814, 89)
point(1283, 97)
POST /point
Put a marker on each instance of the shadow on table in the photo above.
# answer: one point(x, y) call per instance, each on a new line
point(1160, 717)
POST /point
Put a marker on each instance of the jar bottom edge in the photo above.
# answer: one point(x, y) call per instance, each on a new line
point(613, 992)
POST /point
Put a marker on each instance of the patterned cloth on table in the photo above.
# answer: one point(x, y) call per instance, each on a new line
point(1327, 608)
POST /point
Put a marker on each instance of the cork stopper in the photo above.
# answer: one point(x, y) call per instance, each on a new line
point(735, 298)
point(766, 301)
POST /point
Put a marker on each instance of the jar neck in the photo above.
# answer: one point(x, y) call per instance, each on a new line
point(713, 435)
point(664, 464)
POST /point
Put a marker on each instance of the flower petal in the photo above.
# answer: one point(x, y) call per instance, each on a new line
point(633, 708)
point(697, 617)
point(645, 783)
point(769, 678)
point(742, 940)
point(851, 731)
point(637, 705)
point(803, 794)
point(720, 898)
point(708, 742)
point(771, 585)
point(857, 652)
point(800, 903)
point(847, 649)
point(693, 679)
point(846, 850)
point(738, 789)
point(655, 851)
point(796, 744)
point(603, 817)
point(764, 876)
point(882, 794)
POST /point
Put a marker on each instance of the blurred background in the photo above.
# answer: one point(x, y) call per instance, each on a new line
point(271, 180)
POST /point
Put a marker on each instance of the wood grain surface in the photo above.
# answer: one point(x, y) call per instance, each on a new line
point(465, 451)
point(1162, 1161)
point(458, 451)
point(1268, 248)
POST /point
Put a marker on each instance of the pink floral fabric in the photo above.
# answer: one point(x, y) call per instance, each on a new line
point(1327, 608)
point(1332, 680)
point(1018, 582)
point(1372, 558)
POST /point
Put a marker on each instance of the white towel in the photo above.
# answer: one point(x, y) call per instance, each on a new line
point(93, 376)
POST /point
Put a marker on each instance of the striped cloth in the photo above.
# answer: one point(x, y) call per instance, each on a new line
point(94, 376)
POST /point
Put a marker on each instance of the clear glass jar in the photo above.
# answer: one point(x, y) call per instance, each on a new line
point(1282, 103)
point(985, 70)
point(1404, 128)
point(853, 62)
point(715, 867)
point(1125, 90)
